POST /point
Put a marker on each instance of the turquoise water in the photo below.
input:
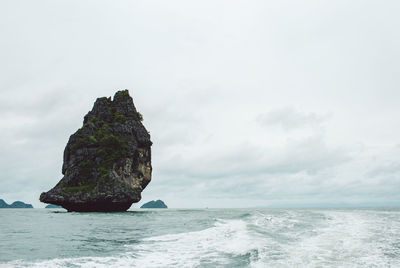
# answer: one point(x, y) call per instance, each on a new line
point(201, 238)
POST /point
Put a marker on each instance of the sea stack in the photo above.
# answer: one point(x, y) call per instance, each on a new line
point(107, 162)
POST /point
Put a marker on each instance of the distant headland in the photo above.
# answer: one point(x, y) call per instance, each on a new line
point(154, 204)
point(16, 204)
point(107, 162)
point(52, 206)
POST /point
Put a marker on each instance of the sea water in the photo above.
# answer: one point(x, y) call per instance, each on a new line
point(368, 237)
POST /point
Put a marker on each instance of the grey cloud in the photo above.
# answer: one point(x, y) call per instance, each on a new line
point(239, 97)
point(391, 169)
point(310, 155)
point(288, 118)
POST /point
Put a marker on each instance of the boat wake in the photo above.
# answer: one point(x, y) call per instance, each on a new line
point(264, 239)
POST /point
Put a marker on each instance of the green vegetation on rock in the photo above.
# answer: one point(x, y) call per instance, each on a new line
point(108, 149)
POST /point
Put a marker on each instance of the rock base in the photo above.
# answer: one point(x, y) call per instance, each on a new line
point(98, 207)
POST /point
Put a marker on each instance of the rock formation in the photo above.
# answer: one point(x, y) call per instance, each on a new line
point(154, 204)
point(107, 162)
point(16, 204)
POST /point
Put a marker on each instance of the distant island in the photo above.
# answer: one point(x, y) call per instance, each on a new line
point(16, 204)
point(154, 204)
point(53, 206)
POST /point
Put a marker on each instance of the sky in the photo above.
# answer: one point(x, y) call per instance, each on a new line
point(248, 103)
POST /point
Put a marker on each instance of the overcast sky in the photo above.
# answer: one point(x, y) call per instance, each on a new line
point(249, 103)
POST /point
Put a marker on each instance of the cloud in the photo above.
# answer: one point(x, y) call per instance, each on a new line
point(310, 155)
point(247, 104)
point(391, 169)
point(288, 119)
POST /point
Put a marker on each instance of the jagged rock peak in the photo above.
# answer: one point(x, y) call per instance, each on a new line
point(107, 162)
point(121, 105)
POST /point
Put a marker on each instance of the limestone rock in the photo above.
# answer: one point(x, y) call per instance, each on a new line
point(107, 162)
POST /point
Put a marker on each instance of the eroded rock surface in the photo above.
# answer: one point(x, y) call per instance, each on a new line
point(107, 162)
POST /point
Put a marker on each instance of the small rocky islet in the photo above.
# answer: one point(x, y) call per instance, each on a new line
point(154, 204)
point(107, 162)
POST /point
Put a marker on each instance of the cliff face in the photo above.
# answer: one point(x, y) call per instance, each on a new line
point(107, 162)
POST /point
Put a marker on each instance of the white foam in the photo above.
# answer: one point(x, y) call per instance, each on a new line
point(288, 239)
point(213, 245)
point(217, 244)
point(344, 239)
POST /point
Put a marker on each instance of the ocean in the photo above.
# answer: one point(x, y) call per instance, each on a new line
point(350, 237)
